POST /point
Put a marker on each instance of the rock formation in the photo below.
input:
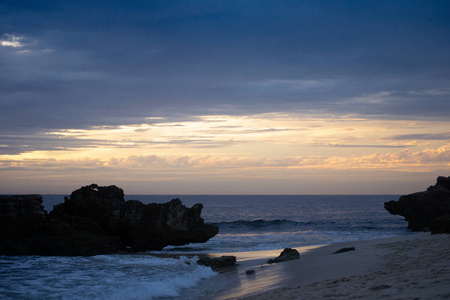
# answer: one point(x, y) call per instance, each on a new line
point(421, 208)
point(286, 254)
point(97, 220)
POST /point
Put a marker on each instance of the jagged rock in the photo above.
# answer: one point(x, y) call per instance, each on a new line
point(420, 208)
point(97, 220)
point(217, 263)
point(140, 227)
point(440, 225)
point(342, 250)
point(286, 254)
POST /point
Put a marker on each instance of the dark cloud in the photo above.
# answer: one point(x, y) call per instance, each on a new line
point(444, 136)
point(17, 144)
point(92, 63)
point(28, 143)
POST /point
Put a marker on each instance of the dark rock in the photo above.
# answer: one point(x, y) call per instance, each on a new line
point(26, 229)
point(286, 254)
point(250, 272)
point(96, 220)
point(26, 208)
point(440, 225)
point(420, 208)
point(342, 250)
point(217, 263)
point(140, 227)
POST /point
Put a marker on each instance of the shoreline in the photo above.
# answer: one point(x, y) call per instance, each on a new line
point(401, 267)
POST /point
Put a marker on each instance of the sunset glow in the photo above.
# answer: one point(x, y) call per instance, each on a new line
point(219, 150)
point(207, 100)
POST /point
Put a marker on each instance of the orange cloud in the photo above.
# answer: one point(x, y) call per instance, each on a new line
point(425, 158)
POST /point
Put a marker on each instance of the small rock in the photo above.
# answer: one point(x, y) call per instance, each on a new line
point(342, 250)
point(217, 263)
point(286, 254)
point(250, 272)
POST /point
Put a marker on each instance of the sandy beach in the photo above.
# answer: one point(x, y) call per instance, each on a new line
point(405, 267)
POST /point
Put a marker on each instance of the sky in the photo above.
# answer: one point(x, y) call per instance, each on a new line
point(224, 97)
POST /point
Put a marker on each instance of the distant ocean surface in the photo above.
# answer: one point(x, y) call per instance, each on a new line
point(246, 223)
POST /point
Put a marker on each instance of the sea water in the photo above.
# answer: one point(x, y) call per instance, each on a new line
point(246, 223)
point(98, 277)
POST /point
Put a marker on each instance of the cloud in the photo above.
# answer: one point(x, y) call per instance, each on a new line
point(278, 87)
point(421, 136)
point(192, 164)
point(425, 158)
point(13, 145)
point(283, 85)
point(184, 174)
point(358, 145)
point(185, 60)
point(434, 92)
point(279, 134)
point(11, 40)
point(403, 104)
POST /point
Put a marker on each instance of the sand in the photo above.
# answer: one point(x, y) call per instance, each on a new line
point(405, 267)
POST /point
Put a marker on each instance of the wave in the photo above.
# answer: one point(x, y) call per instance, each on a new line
point(260, 222)
point(284, 225)
point(100, 277)
point(277, 225)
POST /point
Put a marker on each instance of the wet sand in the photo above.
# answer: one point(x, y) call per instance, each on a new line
point(405, 267)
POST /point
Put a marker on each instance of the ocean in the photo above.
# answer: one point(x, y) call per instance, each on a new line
point(247, 224)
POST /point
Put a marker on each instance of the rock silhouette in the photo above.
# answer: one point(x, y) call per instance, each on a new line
point(285, 255)
point(97, 220)
point(421, 208)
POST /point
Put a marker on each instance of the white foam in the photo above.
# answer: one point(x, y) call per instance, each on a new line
point(99, 277)
point(168, 286)
point(186, 275)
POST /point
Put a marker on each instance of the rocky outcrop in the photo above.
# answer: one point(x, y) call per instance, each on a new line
point(286, 254)
point(26, 229)
point(421, 208)
point(97, 220)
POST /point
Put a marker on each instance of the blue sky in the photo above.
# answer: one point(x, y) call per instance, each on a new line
point(81, 66)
